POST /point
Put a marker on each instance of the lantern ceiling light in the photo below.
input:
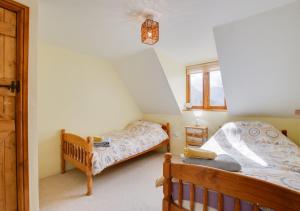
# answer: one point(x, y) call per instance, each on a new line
point(150, 31)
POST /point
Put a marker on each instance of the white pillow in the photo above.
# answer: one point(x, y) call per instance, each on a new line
point(143, 123)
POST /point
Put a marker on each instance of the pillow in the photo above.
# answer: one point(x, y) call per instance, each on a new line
point(97, 139)
point(222, 161)
point(143, 123)
point(199, 153)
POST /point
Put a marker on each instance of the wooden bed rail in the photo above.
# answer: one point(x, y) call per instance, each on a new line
point(78, 152)
point(240, 187)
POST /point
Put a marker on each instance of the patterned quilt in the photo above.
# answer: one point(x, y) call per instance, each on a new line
point(137, 137)
point(262, 150)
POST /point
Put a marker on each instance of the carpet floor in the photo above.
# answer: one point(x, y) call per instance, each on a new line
point(129, 186)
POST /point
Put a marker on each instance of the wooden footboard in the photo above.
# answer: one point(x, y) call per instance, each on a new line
point(79, 152)
point(240, 187)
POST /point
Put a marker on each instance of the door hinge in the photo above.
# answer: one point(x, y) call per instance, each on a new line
point(13, 87)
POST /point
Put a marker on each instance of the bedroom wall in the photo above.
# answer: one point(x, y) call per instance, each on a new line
point(175, 74)
point(145, 78)
point(80, 93)
point(259, 57)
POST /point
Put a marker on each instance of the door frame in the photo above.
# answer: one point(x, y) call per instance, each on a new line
point(22, 40)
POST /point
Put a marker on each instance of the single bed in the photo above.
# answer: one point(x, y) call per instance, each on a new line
point(135, 139)
point(269, 179)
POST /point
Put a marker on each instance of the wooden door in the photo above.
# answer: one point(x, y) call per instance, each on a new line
point(8, 74)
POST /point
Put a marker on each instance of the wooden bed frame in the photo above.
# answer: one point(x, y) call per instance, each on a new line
point(79, 152)
point(240, 187)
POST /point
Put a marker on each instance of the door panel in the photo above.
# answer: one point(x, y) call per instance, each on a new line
point(9, 57)
point(10, 171)
point(8, 155)
point(1, 55)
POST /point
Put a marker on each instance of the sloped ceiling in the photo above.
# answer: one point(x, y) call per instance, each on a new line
point(143, 75)
point(260, 62)
point(110, 29)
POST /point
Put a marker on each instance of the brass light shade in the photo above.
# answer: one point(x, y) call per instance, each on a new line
point(150, 32)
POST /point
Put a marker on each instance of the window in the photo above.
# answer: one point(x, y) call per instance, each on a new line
point(204, 87)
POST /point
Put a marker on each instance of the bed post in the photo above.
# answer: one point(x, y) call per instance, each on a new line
point(167, 188)
point(168, 132)
point(63, 162)
point(89, 173)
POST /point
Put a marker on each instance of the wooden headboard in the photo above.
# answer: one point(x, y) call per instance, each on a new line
point(284, 132)
point(166, 127)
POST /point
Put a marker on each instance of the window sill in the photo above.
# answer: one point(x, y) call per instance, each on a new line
point(202, 109)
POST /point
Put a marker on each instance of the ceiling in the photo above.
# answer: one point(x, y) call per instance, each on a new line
point(260, 64)
point(111, 28)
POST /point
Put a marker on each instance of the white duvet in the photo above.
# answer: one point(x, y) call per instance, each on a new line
point(135, 138)
point(262, 150)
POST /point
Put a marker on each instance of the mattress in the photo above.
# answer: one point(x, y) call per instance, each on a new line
point(135, 138)
point(263, 152)
point(261, 149)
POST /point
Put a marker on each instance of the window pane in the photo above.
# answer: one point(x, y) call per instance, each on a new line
point(196, 86)
point(217, 97)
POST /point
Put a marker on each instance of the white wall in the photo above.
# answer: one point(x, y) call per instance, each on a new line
point(175, 74)
point(80, 93)
point(145, 78)
point(260, 63)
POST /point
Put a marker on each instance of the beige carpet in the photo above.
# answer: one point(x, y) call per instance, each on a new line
point(125, 187)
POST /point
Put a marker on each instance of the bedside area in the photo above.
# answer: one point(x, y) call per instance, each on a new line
point(195, 135)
